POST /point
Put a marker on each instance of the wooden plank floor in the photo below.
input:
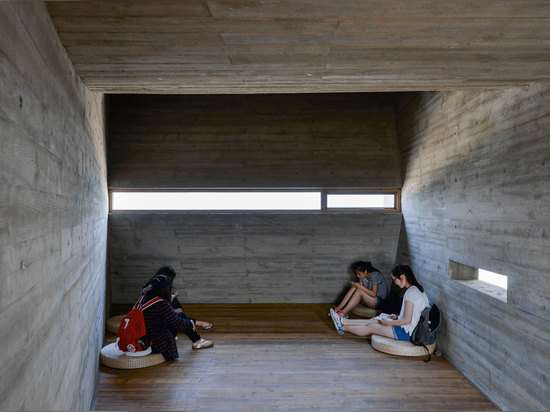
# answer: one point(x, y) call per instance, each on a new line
point(285, 357)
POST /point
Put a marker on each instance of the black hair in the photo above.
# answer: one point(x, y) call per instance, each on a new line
point(362, 266)
point(161, 286)
point(359, 265)
point(371, 268)
point(406, 270)
point(166, 271)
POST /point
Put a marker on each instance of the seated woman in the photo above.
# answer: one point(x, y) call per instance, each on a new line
point(396, 327)
point(197, 341)
point(161, 322)
point(371, 289)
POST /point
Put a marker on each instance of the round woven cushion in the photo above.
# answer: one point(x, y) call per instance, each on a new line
point(113, 323)
point(399, 347)
point(365, 312)
point(113, 357)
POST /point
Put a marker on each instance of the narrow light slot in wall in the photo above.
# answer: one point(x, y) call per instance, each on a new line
point(489, 283)
point(493, 278)
point(220, 200)
point(361, 201)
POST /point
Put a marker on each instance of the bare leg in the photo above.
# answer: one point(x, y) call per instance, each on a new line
point(203, 324)
point(369, 300)
point(200, 323)
point(358, 297)
point(346, 298)
point(373, 328)
point(358, 322)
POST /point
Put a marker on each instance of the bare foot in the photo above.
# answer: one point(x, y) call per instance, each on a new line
point(204, 325)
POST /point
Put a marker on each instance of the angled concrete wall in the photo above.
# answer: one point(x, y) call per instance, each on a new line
point(53, 219)
point(476, 192)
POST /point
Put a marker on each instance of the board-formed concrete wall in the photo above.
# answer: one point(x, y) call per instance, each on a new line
point(243, 141)
point(53, 219)
point(248, 258)
point(305, 141)
point(476, 192)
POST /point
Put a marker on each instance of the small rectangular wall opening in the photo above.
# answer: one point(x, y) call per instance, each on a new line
point(489, 283)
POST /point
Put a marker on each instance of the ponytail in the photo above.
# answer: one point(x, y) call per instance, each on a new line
point(371, 268)
point(160, 286)
point(166, 271)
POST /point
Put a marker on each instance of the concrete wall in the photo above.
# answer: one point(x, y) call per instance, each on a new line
point(261, 141)
point(53, 219)
point(476, 191)
point(315, 141)
point(248, 258)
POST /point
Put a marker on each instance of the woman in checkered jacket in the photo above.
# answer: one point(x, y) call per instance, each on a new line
point(193, 335)
point(162, 323)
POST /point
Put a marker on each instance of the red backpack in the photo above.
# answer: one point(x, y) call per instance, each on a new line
point(132, 336)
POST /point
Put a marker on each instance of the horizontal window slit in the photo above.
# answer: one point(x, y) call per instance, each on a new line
point(325, 200)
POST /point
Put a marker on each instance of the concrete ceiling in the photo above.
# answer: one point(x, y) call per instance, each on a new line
point(296, 46)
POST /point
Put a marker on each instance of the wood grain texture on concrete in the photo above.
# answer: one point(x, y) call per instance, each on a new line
point(248, 141)
point(53, 219)
point(477, 167)
point(242, 258)
point(272, 141)
point(285, 46)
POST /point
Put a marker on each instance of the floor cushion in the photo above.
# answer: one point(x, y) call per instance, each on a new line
point(399, 347)
point(113, 357)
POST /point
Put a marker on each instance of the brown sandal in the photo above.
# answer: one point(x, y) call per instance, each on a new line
point(209, 326)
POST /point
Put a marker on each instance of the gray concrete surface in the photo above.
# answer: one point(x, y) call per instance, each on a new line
point(476, 192)
point(53, 219)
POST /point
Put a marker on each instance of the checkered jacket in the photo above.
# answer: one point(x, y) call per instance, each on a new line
point(157, 318)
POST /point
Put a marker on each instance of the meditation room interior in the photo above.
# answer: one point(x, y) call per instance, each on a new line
point(260, 148)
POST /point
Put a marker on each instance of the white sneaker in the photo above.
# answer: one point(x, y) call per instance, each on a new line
point(203, 344)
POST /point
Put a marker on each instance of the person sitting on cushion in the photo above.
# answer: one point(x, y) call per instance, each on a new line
point(152, 288)
point(371, 289)
point(397, 327)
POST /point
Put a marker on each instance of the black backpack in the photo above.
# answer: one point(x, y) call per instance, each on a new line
point(425, 332)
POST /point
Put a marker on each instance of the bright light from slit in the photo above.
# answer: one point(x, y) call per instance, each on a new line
point(365, 201)
point(216, 201)
point(493, 278)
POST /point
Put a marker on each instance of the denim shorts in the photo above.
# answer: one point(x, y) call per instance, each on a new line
point(400, 333)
